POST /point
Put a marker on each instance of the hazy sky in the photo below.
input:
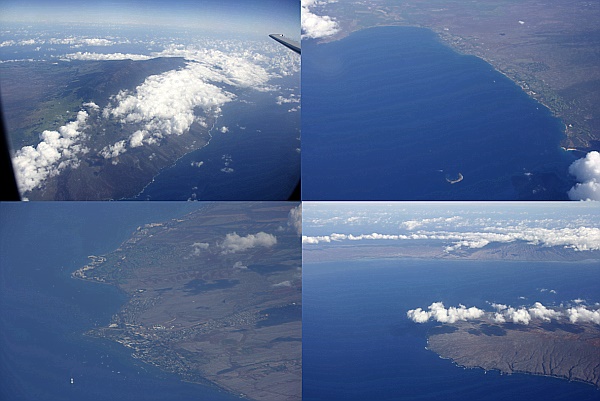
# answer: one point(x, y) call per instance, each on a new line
point(236, 16)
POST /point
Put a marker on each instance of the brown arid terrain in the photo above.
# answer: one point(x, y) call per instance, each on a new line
point(554, 349)
point(215, 297)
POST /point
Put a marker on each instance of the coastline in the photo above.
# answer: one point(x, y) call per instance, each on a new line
point(135, 197)
point(551, 361)
point(571, 141)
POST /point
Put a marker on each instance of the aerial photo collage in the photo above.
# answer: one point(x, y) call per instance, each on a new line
point(286, 200)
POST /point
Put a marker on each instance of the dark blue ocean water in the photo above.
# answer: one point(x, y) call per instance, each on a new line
point(261, 148)
point(390, 113)
point(44, 312)
point(359, 345)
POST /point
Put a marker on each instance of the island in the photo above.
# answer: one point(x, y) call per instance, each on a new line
point(557, 349)
point(214, 297)
point(458, 178)
point(67, 84)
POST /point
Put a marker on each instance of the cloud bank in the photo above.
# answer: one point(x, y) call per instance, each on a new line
point(437, 312)
point(168, 103)
point(579, 239)
point(587, 172)
point(234, 243)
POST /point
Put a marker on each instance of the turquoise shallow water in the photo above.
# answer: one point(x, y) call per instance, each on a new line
point(390, 113)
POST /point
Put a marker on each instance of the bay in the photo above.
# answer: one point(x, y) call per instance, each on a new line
point(391, 113)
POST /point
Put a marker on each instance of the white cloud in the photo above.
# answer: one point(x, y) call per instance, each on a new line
point(91, 105)
point(587, 172)
point(517, 315)
point(164, 104)
point(112, 151)
point(97, 42)
point(295, 219)
point(56, 151)
point(579, 239)
point(412, 224)
point(437, 312)
point(137, 138)
point(316, 26)
point(285, 283)
point(292, 99)
point(198, 247)
point(503, 313)
point(539, 311)
point(100, 56)
point(235, 243)
point(583, 315)
point(239, 265)
point(168, 103)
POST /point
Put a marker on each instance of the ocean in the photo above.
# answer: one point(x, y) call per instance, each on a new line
point(391, 113)
point(45, 312)
point(358, 343)
point(257, 159)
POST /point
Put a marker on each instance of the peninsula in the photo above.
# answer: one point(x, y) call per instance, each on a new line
point(557, 349)
point(214, 296)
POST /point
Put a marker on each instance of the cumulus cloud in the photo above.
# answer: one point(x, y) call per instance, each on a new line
point(101, 56)
point(235, 243)
point(587, 172)
point(244, 69)
point(56, 151)
point(239, 265)
point(198, 247)
point(169, 103)
point(413, 224)
point(80, 41)
point(437, 312)
point(295, 219)
point(539, 311)
point(97, 42)
point(503, 313)
point(316, 26)
point(584, 315)
point(137, 139)
point(112, 151)
point(164, 104)
point(91, 105)
point(285, 283)
point(292, 99)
